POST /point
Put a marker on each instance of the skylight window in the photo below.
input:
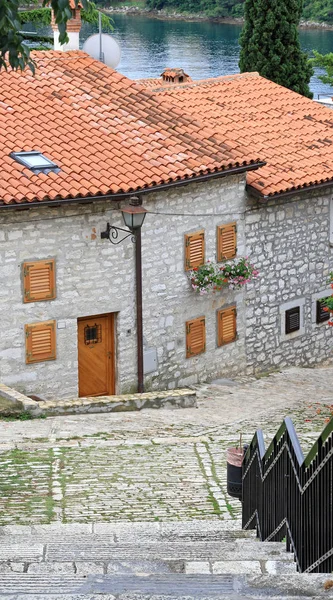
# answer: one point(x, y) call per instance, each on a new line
point(35, 161)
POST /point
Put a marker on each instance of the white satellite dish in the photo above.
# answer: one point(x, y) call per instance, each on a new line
point(104, 48)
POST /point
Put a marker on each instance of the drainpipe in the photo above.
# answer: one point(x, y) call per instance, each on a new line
point(136, 201)
point(139, 324)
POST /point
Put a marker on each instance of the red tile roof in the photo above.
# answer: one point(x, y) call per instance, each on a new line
point(107, 134)
point(293, 134)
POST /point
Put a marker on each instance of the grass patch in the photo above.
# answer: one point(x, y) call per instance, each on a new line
point(23, 416)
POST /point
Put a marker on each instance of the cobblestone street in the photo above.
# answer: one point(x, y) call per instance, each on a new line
point(154, 465)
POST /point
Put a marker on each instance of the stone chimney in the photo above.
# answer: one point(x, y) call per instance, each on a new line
point(175, 76)
point(73, 29)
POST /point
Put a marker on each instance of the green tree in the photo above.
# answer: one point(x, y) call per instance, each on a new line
point(270, 44)
point(318, 10)
point(324, 61)
point(13, 49)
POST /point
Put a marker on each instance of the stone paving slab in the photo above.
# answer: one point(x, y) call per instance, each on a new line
point(150, 466)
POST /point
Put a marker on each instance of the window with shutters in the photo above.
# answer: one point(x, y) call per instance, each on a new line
point(292, 323)
point(194, 250)
point(195, 337)
point(293, 319)
point(226, 325)
point(226, 241)
point(40, 342)
point(322, 315)
point(39, 280)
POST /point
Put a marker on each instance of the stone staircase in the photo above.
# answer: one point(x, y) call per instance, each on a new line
point(148, 561)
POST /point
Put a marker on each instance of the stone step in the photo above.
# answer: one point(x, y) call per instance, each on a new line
point(72, 587)
point(95, 549)
point(180, 398)
point(13, 402)
point(127, 531)
point(221, 550)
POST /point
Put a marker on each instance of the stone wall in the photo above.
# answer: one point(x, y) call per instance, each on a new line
point(169, 301)
point(94, 277)
point(289, 242)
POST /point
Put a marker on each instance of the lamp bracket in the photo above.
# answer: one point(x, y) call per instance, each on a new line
point(112, 234)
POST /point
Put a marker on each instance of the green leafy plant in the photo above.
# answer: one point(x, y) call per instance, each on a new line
point(324, 61)
point(212, 277)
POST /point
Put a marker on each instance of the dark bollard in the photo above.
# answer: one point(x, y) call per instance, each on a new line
point(234, 472)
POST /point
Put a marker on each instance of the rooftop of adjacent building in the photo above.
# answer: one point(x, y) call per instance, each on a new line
point(291, 133)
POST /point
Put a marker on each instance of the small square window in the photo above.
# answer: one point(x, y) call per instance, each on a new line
point(36, 161)
point(292, 319)
point(92, 334)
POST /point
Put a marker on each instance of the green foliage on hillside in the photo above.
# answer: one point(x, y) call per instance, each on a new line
point(313, 10)
point(42, 16)
point(318, 10)
point(214, 8)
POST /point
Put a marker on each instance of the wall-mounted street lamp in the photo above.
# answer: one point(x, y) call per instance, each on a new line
point(134, 216)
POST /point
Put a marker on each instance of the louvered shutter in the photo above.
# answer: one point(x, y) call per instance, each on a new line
point(39, 280)
point(40, 342)
point(293, 319)
point(226, 241)
point(195, 337)
point(322, 315)
point(194, 250)
point(227, 325)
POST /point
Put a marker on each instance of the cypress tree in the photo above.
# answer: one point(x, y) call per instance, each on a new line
point(270, 43)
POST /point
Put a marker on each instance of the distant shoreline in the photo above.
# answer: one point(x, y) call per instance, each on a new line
point(199, 17)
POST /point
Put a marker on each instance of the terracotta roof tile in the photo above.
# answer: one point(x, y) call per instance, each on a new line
point(293, 134)
point(105, 133)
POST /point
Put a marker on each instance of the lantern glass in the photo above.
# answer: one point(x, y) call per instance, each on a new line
point(133, 219)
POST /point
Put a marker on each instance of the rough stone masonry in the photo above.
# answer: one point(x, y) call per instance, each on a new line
point(288, 241)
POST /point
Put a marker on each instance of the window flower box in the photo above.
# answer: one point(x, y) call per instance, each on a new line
point(212, 277)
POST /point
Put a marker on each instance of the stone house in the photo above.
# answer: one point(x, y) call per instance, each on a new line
point(288, 211)
point(77, 141)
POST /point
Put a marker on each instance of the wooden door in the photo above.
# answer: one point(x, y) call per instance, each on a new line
point(96, 355)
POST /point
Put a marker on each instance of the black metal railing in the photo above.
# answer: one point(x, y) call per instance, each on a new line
point(288, 496)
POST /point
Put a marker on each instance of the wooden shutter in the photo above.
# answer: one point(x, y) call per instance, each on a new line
point(227, 325)
point(40, 342)
point(321, 314)
point(194, 250)
point(293, 319)
point(195, 337)
point(226, 241)
point(39, 280)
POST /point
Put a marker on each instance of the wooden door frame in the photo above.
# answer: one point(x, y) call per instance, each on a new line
point(111, 369)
